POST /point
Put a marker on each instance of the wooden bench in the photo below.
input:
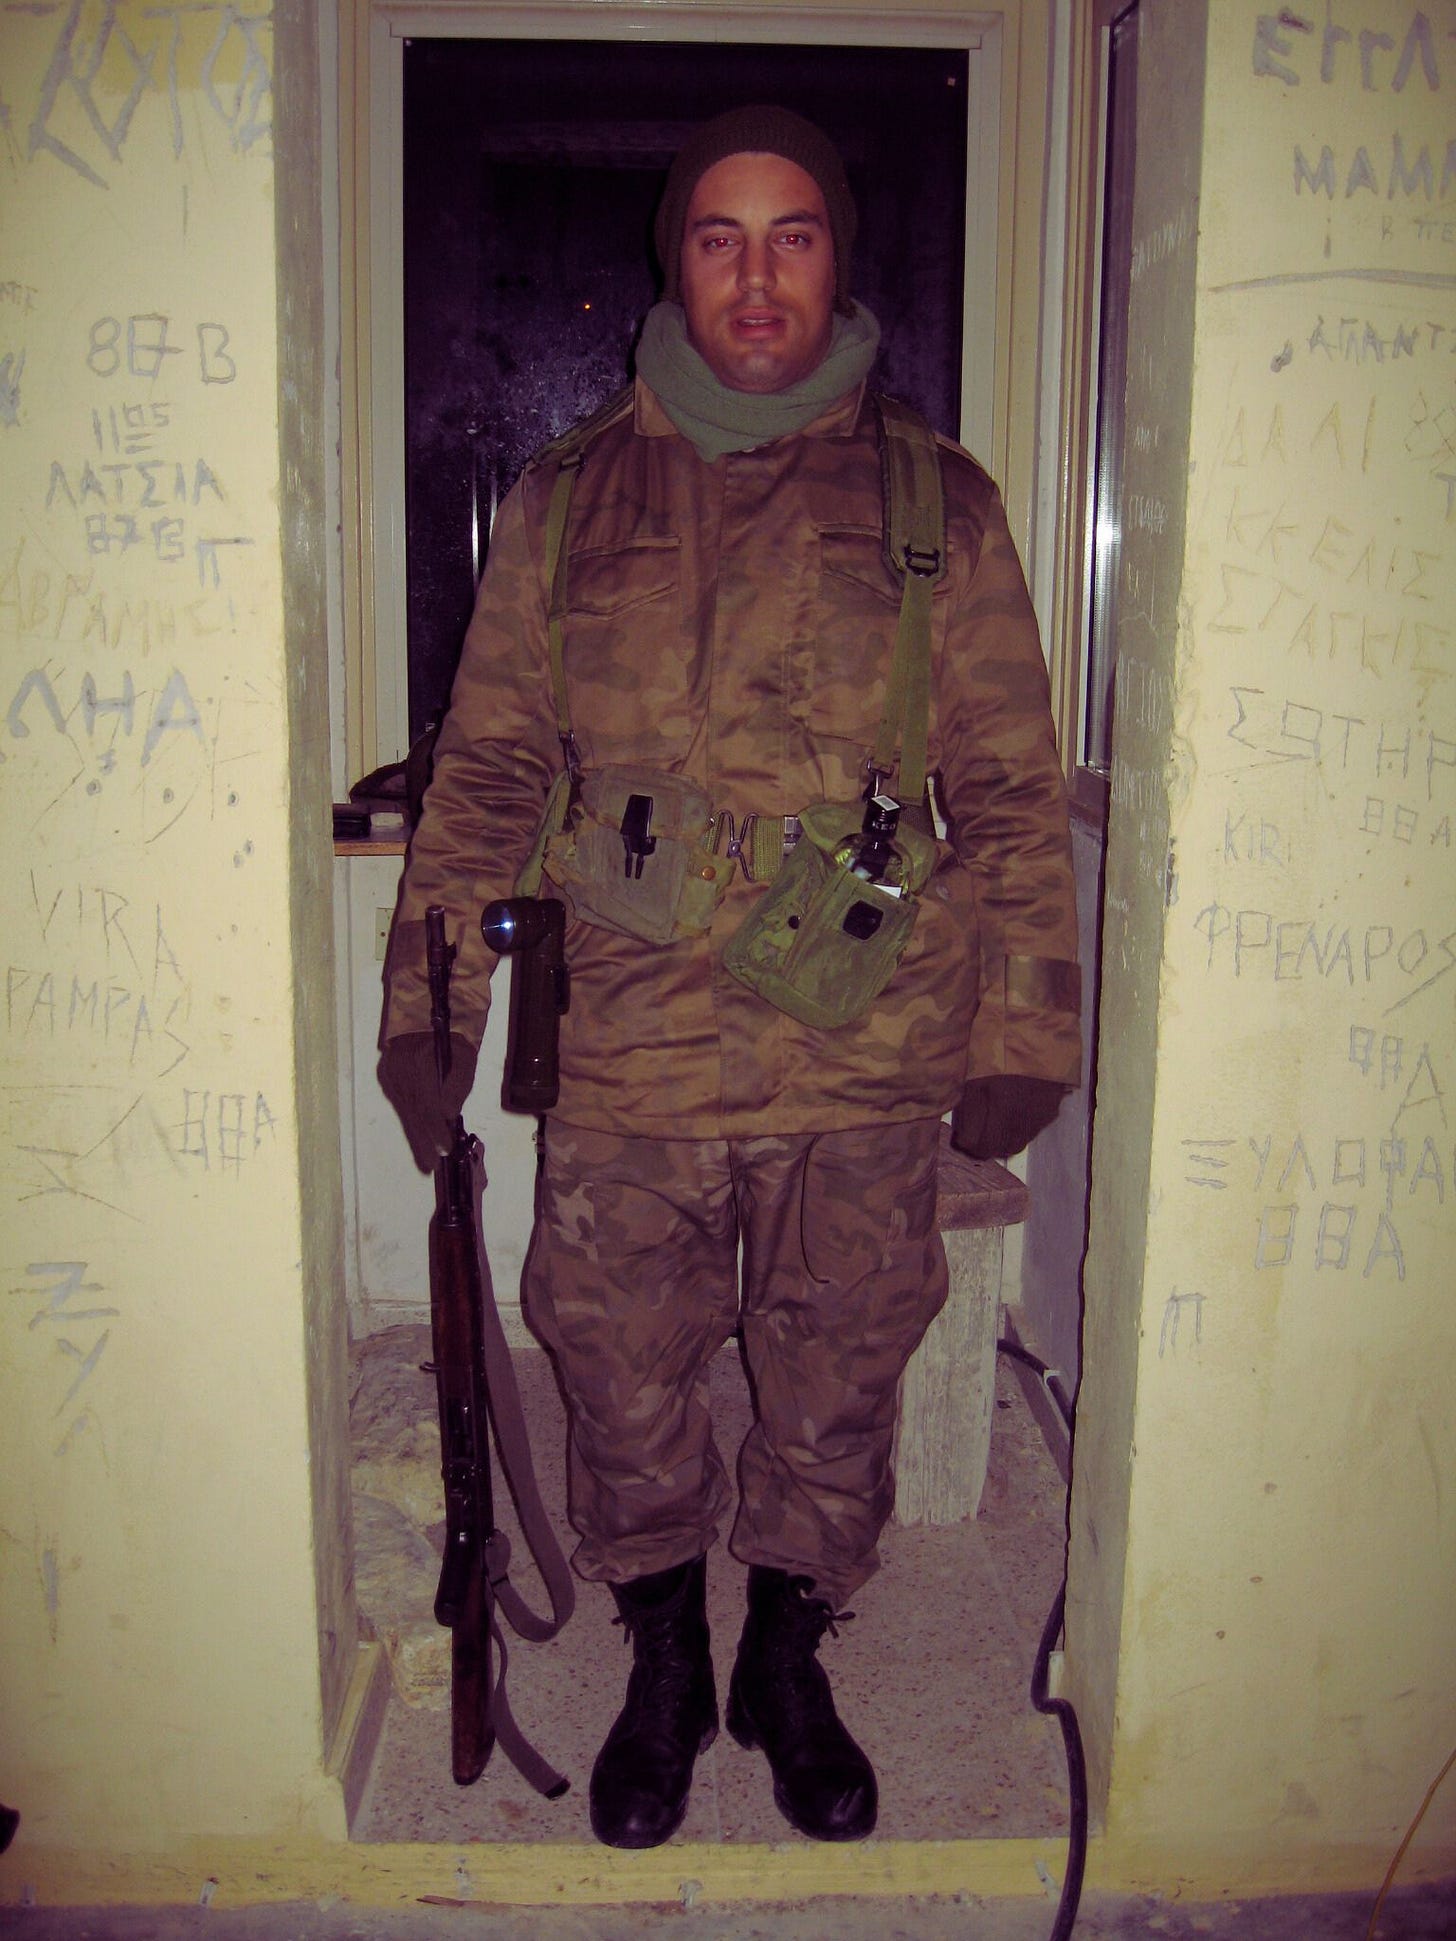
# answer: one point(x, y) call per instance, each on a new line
point(948, 1392)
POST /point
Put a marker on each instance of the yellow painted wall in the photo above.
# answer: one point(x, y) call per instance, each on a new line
point(171, 1338)
point(1262, 1524)
point(1264, 1530)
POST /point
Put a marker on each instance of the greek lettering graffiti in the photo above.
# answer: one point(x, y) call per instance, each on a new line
point(224, 1129)
point(1281, 729)
point(1295, 948)
point(1174, 1309)
point(217, 51)
point(141, 483)
point(1380, 59)
point(1409, 175)
point(171, 710)
point(76, 609)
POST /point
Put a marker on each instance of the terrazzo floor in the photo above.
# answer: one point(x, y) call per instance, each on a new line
point(932, 1674)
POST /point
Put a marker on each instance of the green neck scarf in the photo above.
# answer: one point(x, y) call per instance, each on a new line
point(716, 419)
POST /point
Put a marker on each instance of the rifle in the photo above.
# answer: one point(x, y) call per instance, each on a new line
point(471, 1352)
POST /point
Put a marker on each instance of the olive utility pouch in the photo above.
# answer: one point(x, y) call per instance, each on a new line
point(821, 943)
point(636, 854)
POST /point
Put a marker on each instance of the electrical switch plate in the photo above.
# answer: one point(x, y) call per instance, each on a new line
point(382, 920)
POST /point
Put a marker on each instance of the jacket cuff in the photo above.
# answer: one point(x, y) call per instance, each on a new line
point(1029, 1020)
point(1043, 984)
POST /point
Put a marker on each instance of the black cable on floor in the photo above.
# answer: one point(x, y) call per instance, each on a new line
point(1066, 1718)
point(1060, 1708)
point(1051, 1379)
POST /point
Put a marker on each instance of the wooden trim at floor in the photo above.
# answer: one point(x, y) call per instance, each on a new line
point(232, 1873)
point(361, 1724)
point(226, 1873)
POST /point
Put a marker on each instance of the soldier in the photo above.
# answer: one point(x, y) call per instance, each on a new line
point(726, 622)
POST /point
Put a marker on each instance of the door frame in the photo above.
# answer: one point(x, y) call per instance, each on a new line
point(1024, 390)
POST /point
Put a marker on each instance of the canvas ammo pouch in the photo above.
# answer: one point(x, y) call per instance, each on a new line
point(636, 854)
point(821, 943)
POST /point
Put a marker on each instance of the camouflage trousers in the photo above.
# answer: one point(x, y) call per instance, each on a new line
point(632, 1283)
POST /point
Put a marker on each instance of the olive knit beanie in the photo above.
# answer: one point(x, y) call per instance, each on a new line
point(756, 131)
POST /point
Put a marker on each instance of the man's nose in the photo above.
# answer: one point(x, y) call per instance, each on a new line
point(755, 265)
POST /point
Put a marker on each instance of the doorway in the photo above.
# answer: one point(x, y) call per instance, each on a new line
point(639, 146)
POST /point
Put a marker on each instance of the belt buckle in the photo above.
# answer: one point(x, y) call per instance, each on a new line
point(744, 847)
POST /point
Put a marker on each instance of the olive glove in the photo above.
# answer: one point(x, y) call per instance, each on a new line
point(1001, 1114)
point(427, 1109)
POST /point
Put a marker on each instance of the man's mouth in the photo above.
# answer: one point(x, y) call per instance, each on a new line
point(757, 321)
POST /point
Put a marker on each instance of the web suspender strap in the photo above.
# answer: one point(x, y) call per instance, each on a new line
point(914, 526)
point(569, 452)
point(556, 512)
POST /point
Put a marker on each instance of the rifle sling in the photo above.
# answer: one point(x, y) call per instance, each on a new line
point(535, 1770)
point(508, 1425)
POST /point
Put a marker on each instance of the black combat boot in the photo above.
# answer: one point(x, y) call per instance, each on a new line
point(640, 1782)
point(779, 1699)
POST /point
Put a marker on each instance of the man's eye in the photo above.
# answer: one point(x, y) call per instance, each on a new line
point(716, 244)
point(794, 239)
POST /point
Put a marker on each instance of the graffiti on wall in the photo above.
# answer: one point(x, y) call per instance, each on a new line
point(1290, 773)
point(112, 63)
point(128, 704)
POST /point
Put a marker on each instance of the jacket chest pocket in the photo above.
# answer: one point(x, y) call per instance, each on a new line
point(851, 631)
point(627, 675)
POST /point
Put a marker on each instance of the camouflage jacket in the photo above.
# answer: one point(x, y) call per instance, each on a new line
point(734, 621)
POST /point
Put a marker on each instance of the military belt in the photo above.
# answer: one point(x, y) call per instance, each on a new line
point(759, 842)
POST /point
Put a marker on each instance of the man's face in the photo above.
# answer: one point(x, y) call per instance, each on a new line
point(758, 272)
